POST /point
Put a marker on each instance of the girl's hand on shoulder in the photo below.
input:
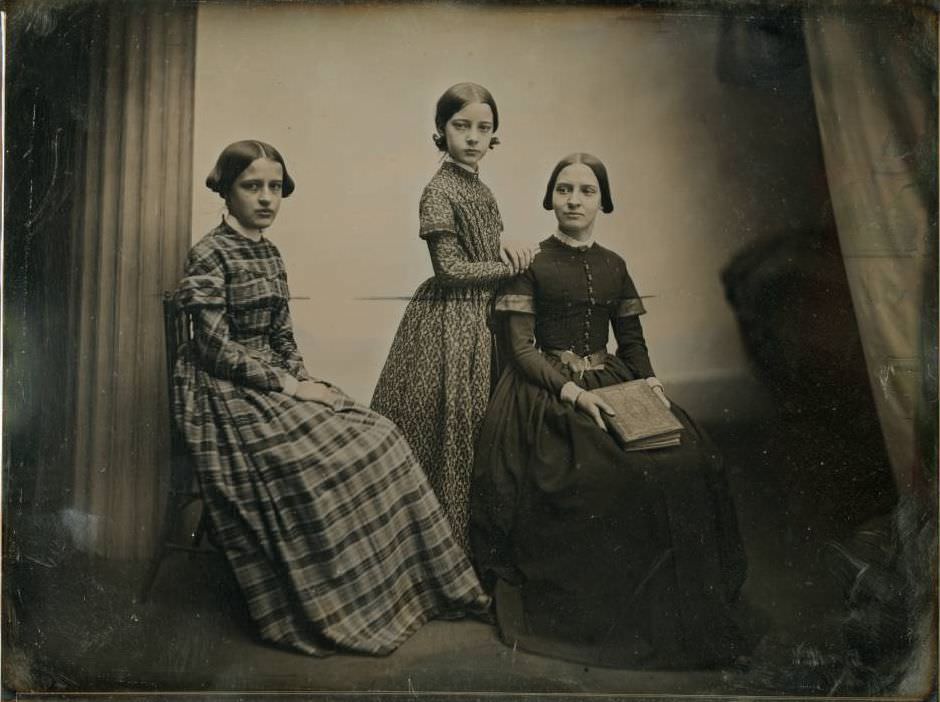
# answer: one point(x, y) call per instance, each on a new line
point(593, 406)
point(312, 391)
point(517, 256)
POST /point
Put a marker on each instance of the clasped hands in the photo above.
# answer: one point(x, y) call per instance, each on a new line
point(313, 391)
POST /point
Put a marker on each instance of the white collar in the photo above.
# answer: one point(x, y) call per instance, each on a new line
point(572, 242)
point(233, 223)
point(467, 168)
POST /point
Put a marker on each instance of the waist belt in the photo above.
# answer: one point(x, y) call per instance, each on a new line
point(579, 364)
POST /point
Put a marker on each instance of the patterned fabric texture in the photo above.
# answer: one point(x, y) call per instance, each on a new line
point(436, 380)
point(323, 513)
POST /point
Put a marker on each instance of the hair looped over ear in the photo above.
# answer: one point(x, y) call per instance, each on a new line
point(454, 99)
point(236, 157)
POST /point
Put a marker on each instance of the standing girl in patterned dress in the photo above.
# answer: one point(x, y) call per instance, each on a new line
point(436, 381)
point(317, 502)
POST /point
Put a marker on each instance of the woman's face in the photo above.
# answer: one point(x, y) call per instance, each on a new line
point(469, 133)
point(255, 196)
point(576, 199)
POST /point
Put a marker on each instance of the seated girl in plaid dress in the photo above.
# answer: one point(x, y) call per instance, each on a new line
point(317, 502)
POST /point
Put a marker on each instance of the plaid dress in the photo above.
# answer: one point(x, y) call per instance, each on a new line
point(325, 516)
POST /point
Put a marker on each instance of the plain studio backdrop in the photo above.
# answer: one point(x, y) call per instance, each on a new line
point(348, 94)
point(714, 124)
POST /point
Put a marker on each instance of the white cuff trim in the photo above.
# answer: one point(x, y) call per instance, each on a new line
point(289, 384)
point(570, 391)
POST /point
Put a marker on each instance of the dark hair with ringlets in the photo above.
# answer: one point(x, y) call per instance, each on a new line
point(236, 157)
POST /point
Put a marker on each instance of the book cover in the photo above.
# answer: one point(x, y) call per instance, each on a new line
point(640, 414)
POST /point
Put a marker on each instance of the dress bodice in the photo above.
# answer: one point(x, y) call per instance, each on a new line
point(245, 277)
point(457, 201)
point(574, 293)
point(236, 290)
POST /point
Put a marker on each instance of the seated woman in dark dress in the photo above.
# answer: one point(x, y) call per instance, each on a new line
point(596, 554)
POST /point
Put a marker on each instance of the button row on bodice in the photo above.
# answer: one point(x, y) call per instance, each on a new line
point(587, 315)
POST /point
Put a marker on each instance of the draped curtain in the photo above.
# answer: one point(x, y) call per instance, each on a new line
point(131, 232)
point(874, 83)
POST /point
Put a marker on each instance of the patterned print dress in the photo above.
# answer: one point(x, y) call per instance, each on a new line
point(323, 513)
point(436, 381)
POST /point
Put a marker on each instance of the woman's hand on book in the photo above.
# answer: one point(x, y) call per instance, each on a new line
point(593, 406)
point(661, 394)
point(312, 391)
point(517, 256)
point(659, 391)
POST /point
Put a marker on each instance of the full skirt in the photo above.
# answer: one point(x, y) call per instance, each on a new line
point(435, 385)
point(596, 554)
point(334, 536)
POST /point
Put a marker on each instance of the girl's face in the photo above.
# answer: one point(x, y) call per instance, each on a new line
point(469, 133)
point(255, 196)
point(576, 199)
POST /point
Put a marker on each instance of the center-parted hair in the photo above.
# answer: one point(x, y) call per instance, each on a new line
point(236, 157)
point(592, 162)
point(454, 99)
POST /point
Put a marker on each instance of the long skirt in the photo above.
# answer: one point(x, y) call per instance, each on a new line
point(596, 554)
point(334, 536)
point(435, 385)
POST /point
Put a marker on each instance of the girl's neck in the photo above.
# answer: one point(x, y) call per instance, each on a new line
point(469, 169)
point(584, 236)
point(234, 224)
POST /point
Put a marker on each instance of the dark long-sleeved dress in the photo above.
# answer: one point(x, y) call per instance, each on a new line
point(595, 554)
point(437, 379)
point(323, 513)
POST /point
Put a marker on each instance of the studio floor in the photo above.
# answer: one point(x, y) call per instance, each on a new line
point(77, 625)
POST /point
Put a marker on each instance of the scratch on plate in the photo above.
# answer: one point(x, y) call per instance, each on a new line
point(884, 374)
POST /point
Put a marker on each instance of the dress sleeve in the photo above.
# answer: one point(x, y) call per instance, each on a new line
point(202, 293)
point(631, 346)
point(528, 358)
point(435, 214)
point(625, 319)
point(516, 305)
point(450, 262)
point(284, 345)
point(452, 268)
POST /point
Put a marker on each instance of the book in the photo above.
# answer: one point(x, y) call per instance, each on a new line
point(642, 422)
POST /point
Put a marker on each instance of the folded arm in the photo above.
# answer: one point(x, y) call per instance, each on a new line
point(284, 344)
point(228, 359)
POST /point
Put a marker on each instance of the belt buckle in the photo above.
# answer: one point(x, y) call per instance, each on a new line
point(575, 362)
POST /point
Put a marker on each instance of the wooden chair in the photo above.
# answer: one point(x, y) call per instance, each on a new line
point(177, 329)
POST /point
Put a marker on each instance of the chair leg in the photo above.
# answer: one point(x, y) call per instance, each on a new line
point(152, 571)
point(170, 517)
